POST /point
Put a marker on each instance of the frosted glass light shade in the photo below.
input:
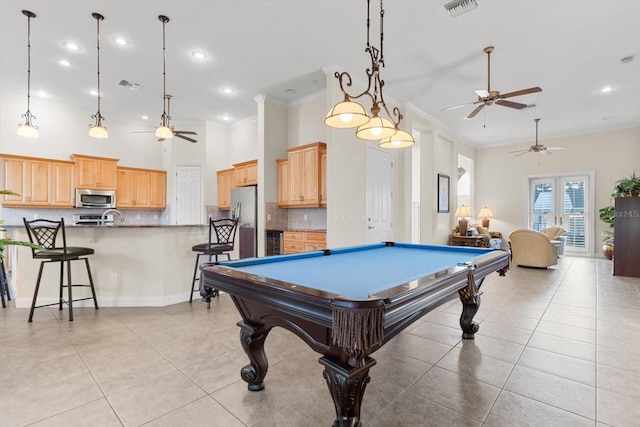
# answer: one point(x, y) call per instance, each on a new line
point(346, 114)
point(98, 132)
point(164, 132)
point(375, 129)
point(400, 139)
point(28, 131)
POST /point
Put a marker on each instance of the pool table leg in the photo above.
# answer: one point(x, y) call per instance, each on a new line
point(252, 340)
point(347, 385)
point(470, 297)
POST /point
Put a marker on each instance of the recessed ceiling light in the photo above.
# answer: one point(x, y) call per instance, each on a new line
point(92, 92)
point(42, 94)
point(144, 117)
point(606, 118)
point(225, 118)
point(607, 89)
point(290, 91)
point(64, 62)
point(121, 41)
point(228, 90)
point(198, 54)
point(627, 59)
point(71, 46)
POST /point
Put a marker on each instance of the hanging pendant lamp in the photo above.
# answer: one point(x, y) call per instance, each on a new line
point(28, 129)
point(97, 130)
point(165, 131)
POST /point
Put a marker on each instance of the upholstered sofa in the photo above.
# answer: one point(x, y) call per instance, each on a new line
point(557, 234)
point(530, 248)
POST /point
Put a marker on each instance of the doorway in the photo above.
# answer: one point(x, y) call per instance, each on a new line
point(188, 191)
point(379, 197)
point(564, 201)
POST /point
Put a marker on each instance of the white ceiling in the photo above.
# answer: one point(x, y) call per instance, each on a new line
point(570, 48)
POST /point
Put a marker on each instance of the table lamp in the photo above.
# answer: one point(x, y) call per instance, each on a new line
point(462, 212)
point(485, 214)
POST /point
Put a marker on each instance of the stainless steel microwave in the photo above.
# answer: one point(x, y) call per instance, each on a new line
point(102, 199)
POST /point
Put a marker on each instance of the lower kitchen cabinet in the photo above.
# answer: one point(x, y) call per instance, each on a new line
point(304, 241)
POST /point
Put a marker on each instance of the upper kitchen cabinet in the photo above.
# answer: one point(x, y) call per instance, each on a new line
point(245, 173)
point(323, 178)
point(305, 175)
point(283, 183)
point(39, 182)
point(97, 173)
point(141, 188)
point(226, 179)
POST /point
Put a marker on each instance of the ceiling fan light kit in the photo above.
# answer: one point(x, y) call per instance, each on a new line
point(350, 114)
point(97, 130)
point(164, 131)
point(28, 129)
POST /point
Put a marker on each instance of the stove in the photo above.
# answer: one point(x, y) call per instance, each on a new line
point(88, 219)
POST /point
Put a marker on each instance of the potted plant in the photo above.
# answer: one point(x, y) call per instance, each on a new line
point(607, 215)
point(628, 187)
point(6, 242)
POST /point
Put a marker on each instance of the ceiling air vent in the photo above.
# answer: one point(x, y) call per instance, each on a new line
point(459, 7)
point(129, 85)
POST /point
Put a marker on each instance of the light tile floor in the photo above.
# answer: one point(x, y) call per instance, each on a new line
point(556, 347)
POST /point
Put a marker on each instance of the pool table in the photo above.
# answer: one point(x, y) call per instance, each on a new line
point(346, 303)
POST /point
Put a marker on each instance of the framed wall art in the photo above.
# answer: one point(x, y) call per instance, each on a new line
point(444, 193)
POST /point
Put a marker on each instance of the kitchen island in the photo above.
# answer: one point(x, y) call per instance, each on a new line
point(133, 265)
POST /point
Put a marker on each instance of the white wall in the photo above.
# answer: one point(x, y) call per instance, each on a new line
point(306, 120)
point(501, 178)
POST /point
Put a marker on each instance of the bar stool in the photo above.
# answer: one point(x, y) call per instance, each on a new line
point(225, 232)
point(44, 232)
point(4, 284)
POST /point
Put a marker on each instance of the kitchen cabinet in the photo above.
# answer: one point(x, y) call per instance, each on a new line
point(323, 178)
point(245, 173)
point(98, 173)
point(305, 180)
point(225, 183)
point(304, 241)
point(283, 183)
point(141, 188)
point(39, 182)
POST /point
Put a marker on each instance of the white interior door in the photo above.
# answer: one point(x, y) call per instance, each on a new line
point(379, 210)
point(189, 206)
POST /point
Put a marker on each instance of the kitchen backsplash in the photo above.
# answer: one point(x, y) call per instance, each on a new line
point(13, 216)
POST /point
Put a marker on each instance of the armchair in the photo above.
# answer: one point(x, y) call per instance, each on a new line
point(530, 248)
point(557, 234)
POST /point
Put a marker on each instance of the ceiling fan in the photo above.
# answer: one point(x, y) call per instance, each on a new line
point(176, 133)
point(537, 148)
point(490, 97)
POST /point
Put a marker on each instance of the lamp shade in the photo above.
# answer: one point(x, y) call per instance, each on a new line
point(463, 211)
point(375, 129)
point(485, 213)
point(400, 139)
point(164, 132)
point(98, 132)
point(346, 114)
point(28, 131)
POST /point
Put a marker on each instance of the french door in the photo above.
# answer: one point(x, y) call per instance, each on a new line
point(563, 201)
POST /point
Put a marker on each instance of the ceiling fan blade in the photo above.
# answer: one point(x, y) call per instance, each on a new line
point(557, 148)
point(519, 151)
point(521, 92)
point(522, 153)
point(545, 151)
point(511, 104)
point(458, 106)
point(186, 138)
point(482, 93)
point(475, 112)
point(187, 132)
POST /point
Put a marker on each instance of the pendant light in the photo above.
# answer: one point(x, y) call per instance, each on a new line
point(28, 129)
point(349, 113)
point(165, 130)
point(97, 130)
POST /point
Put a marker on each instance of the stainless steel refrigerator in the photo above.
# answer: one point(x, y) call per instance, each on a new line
point(244, 208)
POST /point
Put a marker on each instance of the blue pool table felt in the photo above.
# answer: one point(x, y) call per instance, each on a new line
point(360, 271)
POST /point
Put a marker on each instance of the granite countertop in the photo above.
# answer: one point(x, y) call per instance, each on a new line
point(72, 226)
